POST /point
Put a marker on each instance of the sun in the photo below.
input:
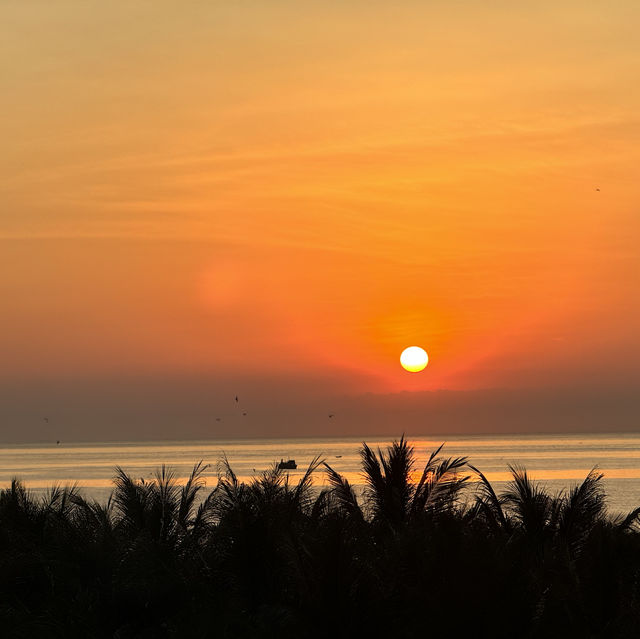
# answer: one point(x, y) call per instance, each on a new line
point(414, 359)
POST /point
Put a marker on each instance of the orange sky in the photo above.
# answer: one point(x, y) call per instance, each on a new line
point(296, 191)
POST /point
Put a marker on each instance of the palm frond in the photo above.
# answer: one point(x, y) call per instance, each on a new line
point(302, 497)
point(189, 493)
point(19, 500)
point(489, 504)
point(440, 484)
point(60, 499)
point(228, 493)
point(388, 487)
point(270, 482)
point(203, 513)
point(628, 521)
point(428, 468)
point(321, 505)
point(529, 503)
point(375, 488)
point(584, 506)
point(343, 493)
point(130, 499)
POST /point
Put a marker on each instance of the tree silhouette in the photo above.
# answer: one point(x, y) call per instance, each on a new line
point(418, 544)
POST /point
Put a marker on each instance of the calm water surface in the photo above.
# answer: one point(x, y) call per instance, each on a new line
point(559, 461)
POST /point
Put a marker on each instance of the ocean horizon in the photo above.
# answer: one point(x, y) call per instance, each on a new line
point(559, 461)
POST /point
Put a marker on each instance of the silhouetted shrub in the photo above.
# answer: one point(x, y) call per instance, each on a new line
point(271, 558)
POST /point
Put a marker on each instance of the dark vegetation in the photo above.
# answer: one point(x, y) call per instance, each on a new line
point(423, 555)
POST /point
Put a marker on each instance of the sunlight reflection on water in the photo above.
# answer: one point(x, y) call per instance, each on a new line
point(559, 461)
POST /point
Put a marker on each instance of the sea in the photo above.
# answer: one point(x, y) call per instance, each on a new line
point(557, 461)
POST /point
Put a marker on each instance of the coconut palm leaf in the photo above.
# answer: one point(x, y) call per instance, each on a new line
point(302, 494)
point(93, 514)
point(228, 494)
point(629, 521)
point(490, 505)
point(580, 510)
point(130, 500)
point(321, 505)
point(188, 494)
point(375, 487)
point(530, 504)
point(18, 505)
point(59, 499)
point(203, 516)
point(270, 484)
point(388, 487)
point(165, 491)
point(428, 468)
point(343, 493)
point(440, 484)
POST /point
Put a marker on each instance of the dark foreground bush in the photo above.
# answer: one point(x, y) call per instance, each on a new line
point(409, 558)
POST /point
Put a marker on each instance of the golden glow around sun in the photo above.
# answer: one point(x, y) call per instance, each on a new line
point(414, 359)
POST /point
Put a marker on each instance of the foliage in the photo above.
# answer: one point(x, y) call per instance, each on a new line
point(418, 549)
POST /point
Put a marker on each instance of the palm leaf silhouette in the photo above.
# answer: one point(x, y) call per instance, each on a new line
point(490, 505)
point(343, 493)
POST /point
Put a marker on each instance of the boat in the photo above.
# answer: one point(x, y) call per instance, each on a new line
point(290, 464)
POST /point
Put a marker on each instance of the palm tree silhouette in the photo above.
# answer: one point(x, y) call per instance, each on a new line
point(391, 496)
point(276, 556)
